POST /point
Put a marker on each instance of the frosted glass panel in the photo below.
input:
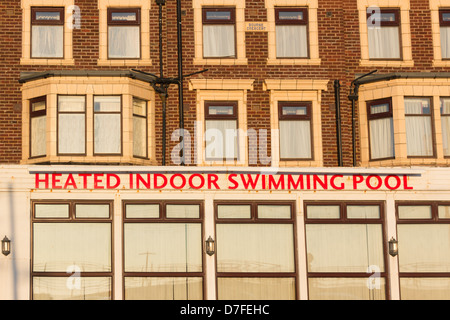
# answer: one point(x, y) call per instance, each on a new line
point(346, 289)
point(182, 211)
point(323, 212)
point(163, 288)
point(274, 212)
point(92, 211)
point(51, 211)
point(414, 212)
point(142, 210)
point(425, 288)
point(230, 212)
point(256, 289)
point(65, 288)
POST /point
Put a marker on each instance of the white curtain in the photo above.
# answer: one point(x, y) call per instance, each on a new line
point(163, 247)
point(295, 139)
point(139, 137)
point(221, 138)
point(419, 139)
point(47, 42)
point(292, 42)
point(381, 138)
point(38, 137)
point(445, 42)
point(107, 133)
point(384, 43)
point(124, 42)
point(218, 41)
point(445, 121)
point(255, 247)
point(71, 133)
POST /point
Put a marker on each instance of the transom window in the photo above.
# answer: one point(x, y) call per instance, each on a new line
point(255, 250)
point(384, 34)
point(291, 32)
point(124, 39)
point(219, 32)
point(72, 250)
point(47, 32)
point(345, 255)
point(381, 129)
point(163, 250)
point(423, 230)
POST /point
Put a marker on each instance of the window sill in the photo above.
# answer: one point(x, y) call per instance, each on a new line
point(407, 162)
point(225, 62)
point(90, 160)
point(387, 63)
point(300, 163)
point(441, 63)
point(307, 62)
point(47, 62)
point(125, 62)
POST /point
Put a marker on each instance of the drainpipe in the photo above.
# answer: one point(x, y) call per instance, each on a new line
point(337, 98)
point(163, 94)
point(353, 96)
point(180, 82)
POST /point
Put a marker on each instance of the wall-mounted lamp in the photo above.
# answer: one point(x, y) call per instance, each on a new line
point(393, 247)
point(6, 246)
point(210, 246)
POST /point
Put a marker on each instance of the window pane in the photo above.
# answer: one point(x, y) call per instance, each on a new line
point(92, 211)
point(71, 103)
point(419, 139)
point(363, 212)
point(163, 247)
point(218, 41)
point(139, 107)
point(256, 288)
point(38, 137)
point(139, 137)
point(182, 211)
point(218, 15)
point(274, 212)
point(107, 133)
point(346, 289)
point(58, 246)
point(123, 16)
point(124, 42)
point(71, 133)
point(107, 103)
point(142, 210)
point(417, 106)
point(255, 248)
point(292, 41)
point(424, 247)
point(381, 138)
point(379, 108)
point(344, 247)
point(295, 139)
point(221, 139)
point(445, 42)
point(47, 42)
point(233, 212)
point(48, 15)
point(444, 212)
point(425, 288)
point(384, 43)
point(323, 212)
point(38, 106)
point(294, 111)
point(414, 212)
point(290, 15)
point(180, 288)
point(445, 121)
point(51, 211)
point(79, 288)
point(221, 110)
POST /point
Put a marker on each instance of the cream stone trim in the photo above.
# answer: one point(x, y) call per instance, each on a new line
point(436, 32)
point(297, 90)
point(103, 6)
point(398, 89)
point(240, 32)
point(407, 60)
point(89, 86)
point(26, 33)
point(313, 32)
point(221, 90)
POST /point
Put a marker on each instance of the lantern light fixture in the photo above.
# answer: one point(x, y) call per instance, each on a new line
point(6, 246)
point(393, 247)
point(210, 246)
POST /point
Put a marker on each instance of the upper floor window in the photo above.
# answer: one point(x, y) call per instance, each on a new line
point(381, 130)
point(384, 34)
point(444, 23)
point(38, 126)
point(47, 32)
point(71, 124)
point(219, 30)
point(295, 130)
point(107, 125)
point(291, 32)
point(124, 33)
point(419, 127)
point(445, 125)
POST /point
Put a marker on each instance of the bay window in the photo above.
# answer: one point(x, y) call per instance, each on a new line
point(295, 130)
point(219, 32)
point(71, 124)
point(107, 125)
point(38, 127)
point(345, 255)
point(381, 130)
point(291, 32)
point(384, 34)
point(255, 251)
point(47, 32)
point(419, 127)
point(72, 250)
point(163, 250)
point(124, 33)
point(424, 245)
